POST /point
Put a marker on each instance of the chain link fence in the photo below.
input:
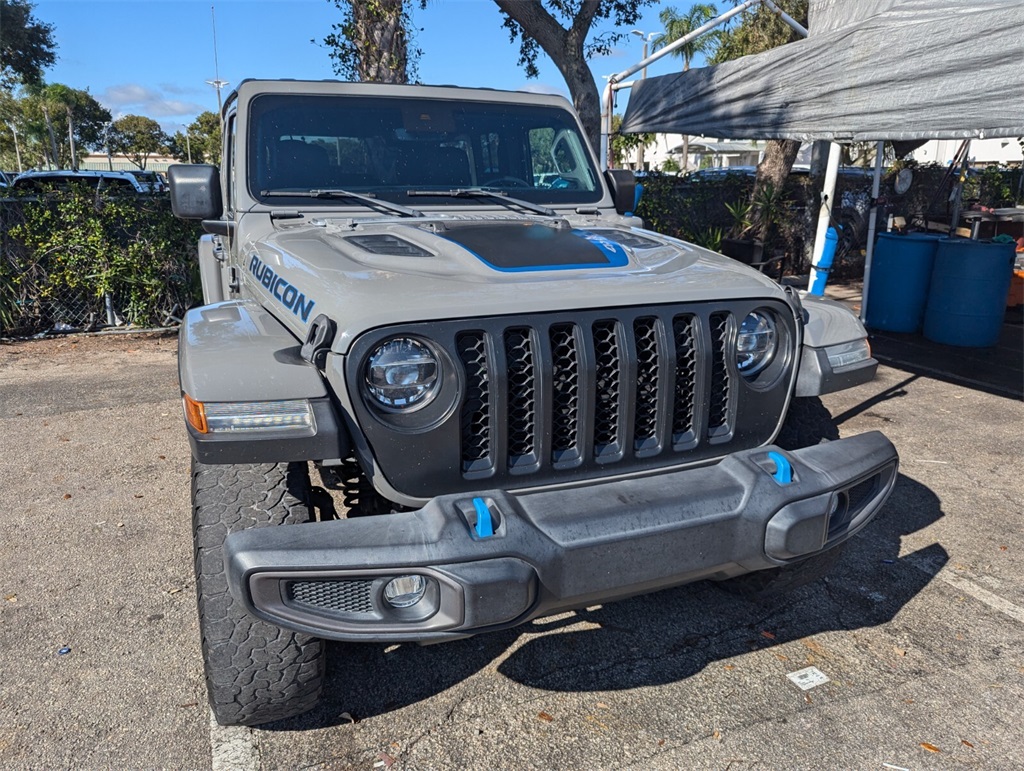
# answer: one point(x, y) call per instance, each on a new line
point(72, 261)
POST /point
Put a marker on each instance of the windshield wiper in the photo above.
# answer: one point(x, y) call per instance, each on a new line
point(483, 192)
point(368, 199)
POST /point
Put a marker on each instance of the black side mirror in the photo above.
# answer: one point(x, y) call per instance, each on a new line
point(195, 191)
point(623, 186)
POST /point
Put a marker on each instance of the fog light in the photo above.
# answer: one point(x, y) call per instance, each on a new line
point(405, 591)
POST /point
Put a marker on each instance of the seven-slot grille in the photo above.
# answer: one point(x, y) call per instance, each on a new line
point(543, 398)
point(647, 377)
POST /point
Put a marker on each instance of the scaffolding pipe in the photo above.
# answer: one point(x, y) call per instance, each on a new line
point(876, 188)
point(615, 82)
point(828, 193)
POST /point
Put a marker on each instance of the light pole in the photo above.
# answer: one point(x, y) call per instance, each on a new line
point(647, 38)
point(217, 83)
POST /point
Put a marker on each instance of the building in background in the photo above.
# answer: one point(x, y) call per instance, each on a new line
point(103, 162)
point(983, 152)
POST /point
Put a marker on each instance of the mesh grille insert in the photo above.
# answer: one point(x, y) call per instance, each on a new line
point(648, 356)
point(521, 389)
point(684, 335)
point(565, 388)
point(476, 409)
point(718, 401)
point(606, 411)
point(339, 596)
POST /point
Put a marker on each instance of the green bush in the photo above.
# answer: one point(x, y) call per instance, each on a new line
point(78, 245)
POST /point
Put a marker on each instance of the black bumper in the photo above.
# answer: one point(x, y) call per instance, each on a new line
point(558, 549)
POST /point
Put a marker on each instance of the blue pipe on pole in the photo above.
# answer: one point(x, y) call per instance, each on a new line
point(821, 270)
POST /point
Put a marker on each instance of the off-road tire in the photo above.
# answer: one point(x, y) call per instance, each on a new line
point(255, 672)
point(807, 423)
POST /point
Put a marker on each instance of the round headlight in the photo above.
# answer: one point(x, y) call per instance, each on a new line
point(755, 343)
point(402, 373)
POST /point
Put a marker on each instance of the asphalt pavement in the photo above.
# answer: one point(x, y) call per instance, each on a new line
point(918, 631)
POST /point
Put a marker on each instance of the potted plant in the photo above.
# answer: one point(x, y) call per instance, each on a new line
point(754, 224)
point(739, 243)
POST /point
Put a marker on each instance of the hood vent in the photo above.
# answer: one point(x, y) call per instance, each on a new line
point(625, 238)
point(386, 244)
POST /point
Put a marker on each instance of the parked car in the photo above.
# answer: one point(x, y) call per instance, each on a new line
point(61, 179)
point(521, 400)
point(151, 180)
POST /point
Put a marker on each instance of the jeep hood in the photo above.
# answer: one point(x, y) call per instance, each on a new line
point(365, 274)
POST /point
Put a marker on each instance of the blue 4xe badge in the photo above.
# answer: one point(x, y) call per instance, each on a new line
point(286, 294)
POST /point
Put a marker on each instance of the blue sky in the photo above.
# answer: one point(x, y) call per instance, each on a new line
point(152, 57)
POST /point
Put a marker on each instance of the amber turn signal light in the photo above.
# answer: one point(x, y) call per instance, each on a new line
point(195, 414)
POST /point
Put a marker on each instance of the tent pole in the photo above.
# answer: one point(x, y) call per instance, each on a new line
point(876, 187)
point(606, 125)
point(828, 192)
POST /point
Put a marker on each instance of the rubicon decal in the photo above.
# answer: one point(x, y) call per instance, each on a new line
point(286, 294)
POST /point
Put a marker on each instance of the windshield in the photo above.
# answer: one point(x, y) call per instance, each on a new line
point(388, 146)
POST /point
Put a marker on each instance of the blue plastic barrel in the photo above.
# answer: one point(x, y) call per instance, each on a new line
point(901, 271)
point(967, 297)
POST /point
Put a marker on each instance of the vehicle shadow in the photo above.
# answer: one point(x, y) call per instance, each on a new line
point(649, 640)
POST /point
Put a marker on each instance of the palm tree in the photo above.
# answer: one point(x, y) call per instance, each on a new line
point(679, 26)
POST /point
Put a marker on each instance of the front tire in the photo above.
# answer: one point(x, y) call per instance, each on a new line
point(807, 423)
point(255, 672)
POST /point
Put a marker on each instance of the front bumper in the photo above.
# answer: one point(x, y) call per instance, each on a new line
point(558, 549)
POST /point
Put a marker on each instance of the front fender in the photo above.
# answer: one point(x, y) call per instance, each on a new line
point(828, 324)
point(237, 352)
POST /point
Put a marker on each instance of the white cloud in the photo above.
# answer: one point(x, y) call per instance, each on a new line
point(135, 99)
point(174, 88)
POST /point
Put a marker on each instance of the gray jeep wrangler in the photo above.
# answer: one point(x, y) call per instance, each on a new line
point(515, 399)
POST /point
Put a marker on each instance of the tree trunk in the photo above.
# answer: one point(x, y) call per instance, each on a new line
point(381, 39)
point(565, 47)
point(53, 139)
point(779, 155)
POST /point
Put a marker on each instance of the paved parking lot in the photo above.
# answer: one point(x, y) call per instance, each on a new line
point(919, 631)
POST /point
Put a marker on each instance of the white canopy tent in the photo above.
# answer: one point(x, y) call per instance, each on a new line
point(870, 70)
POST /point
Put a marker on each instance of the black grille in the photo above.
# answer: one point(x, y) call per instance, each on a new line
point(337, 596)
point(546, 398)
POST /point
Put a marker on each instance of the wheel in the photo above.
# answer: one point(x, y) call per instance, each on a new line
point(807, 423)
point(255, 672)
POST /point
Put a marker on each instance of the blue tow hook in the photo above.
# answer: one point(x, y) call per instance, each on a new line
point(783, 470)
point(484, 527)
